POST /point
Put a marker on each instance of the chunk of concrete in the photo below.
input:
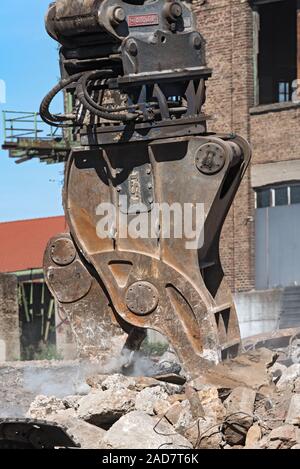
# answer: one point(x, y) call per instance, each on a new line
point(148, 397)
point(103, 408)
point(239, 415)
point(293, 415)
point(117, 381)
point(71, 402)
point(87, 435)
point(212, 405)
point(161, 407)
point(289, 377)
point(249, 370)
point(42, 407)
point(138, 430)
point(205, 434)
point(253, 436)
point(283, 437)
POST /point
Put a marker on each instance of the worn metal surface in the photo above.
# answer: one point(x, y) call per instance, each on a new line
point(82, 299)
point(151, 146)
point(193, 307)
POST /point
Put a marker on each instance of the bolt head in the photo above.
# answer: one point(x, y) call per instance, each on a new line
point(119, 15)
point(131, 47)
point(197, 42)
point(176, 10)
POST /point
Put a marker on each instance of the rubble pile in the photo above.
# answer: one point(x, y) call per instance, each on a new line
point(252, 402)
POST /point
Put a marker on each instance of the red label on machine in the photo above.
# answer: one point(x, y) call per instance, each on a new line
point(142, 20)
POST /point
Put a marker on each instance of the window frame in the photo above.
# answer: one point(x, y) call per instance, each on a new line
point(272, 194)
point(255, 4)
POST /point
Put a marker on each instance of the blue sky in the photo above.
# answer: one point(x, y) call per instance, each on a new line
point(29, 67)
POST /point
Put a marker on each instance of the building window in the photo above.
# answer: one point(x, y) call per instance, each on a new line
point(284, 91)
point(277, 195)
point(276, 50)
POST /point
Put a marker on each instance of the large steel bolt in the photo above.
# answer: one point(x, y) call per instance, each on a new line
point(119, 14)
point(131, 47)
point(210, 158)
point(176, 10)
point(173, 11)
point(62, 251)
point(142, 298)
point(197, 41)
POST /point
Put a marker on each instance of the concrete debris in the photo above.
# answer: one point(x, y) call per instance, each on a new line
point(103, 408)
point(205, 434)
point(87, 435)
point(168, 363)
point(185, 417)
point(276, 371)
point(249, 370)
point(239, 415)
point(283, 437)
point(210, 434)
point(247, 402)
point(112, 382)
point(289, 377)
point(138, 430)
point(293, 415)
point(148, 397)
point(71, 402)
point(134, 383)
point(161, 407)
point(297, 386)
point(253, 436)
point(42, 407)
point(211, 403)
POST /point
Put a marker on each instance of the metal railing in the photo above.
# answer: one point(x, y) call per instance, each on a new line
point(27, 125)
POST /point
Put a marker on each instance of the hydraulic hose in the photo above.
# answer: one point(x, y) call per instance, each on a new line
point(46, 115)
point(104, 112)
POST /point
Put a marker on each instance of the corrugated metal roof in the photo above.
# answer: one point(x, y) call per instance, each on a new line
point(22, 243)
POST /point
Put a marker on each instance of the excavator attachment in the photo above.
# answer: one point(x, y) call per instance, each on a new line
point(147, 187)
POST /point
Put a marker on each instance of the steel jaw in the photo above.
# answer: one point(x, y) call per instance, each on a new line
point(150, 282)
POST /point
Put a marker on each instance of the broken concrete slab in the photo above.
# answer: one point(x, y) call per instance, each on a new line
point(239, 415)
point(289, 377)
point(103, 408)
point(161, 407)
point(117, 381)
point(205, 434)
point(211, 403)
point(249, 370)
point(283, 437)
point(138, 430)
point(185, 417)
point(253, 437)
point(293, 415)
point(146, 399)
point(71, 402)
point(42, 407)
point(86, 435)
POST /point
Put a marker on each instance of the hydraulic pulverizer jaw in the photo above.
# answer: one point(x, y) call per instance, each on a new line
point(147, 188)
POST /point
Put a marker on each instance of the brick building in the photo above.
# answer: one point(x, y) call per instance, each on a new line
point(252, 46)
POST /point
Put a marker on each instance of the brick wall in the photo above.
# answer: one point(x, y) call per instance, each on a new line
point(275, 136)
point(227, 27)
